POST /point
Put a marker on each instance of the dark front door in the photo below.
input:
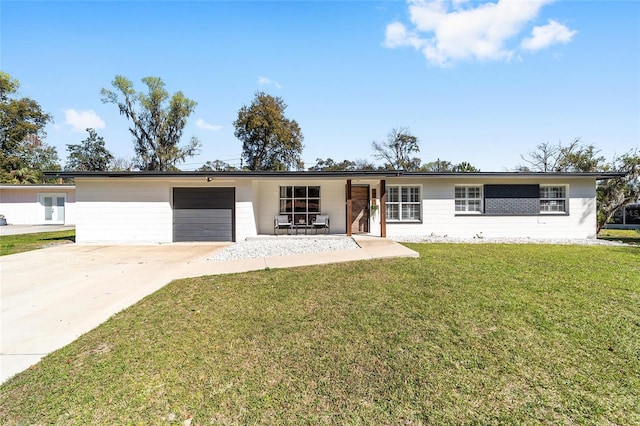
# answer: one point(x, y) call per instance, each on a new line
point(360, 209)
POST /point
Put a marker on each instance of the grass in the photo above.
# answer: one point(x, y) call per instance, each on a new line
point(466, 334)
point(628, 236)
point(11, 244)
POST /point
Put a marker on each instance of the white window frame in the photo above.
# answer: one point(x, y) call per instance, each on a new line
point(466, 199)
point(401, 204)
point(553, 201)
point(305, 216)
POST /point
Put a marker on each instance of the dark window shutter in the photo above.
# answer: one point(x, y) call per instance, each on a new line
point(512, 199)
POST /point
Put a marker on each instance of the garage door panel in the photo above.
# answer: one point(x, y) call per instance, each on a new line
point(203, 214)
point(201, 236)
point(223, 232)
point(203, 198)
point(191, 227)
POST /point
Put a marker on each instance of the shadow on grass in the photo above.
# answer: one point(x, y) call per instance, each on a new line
point(71, 239)
point(626, 240)
point(626, 236)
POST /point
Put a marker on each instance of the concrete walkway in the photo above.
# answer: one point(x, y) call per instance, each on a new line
point(50, 297)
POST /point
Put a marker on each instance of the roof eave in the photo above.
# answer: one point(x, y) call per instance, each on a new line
point(328, 174)
point(229, 174)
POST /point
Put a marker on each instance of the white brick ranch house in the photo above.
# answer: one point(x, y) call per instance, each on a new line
point(162, 207)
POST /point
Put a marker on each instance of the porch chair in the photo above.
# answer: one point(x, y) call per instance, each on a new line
point(281, 221)
point(321, 222)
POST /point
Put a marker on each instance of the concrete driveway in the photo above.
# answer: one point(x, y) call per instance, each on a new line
point(50, 297)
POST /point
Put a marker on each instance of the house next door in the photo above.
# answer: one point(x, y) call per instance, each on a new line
point(52, 208)
point(360, 209)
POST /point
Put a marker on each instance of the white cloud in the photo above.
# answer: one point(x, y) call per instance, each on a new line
point(397, 35)
point(545, 36)
point(266, 81)
point(82, 120)
point(446, 31)
point(206, 126)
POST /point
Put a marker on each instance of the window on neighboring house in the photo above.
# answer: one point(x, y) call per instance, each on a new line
point(553, 199)
point(300, 203)
point(403, 203)
point(468, 199)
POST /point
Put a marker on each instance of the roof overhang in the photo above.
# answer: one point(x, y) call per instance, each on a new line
point(225, 175)
point(324, 175)
point(521, 175)
point(18, 186)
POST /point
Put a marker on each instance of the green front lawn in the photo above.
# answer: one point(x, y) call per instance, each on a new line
point(628, 236)
point(11, 244)
point(466, 334)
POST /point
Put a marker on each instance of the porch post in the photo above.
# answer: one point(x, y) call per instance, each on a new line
point(383, 208)
point(349, 211)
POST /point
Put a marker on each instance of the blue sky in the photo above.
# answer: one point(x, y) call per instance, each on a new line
point(481, 82)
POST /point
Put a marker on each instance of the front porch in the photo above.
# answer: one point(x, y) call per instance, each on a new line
point(310, 207)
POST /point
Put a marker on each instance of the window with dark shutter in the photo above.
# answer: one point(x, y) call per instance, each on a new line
point(512, 200)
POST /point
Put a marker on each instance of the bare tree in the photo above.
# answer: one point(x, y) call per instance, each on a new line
point(574, 157)
point(122, 164)
point(397, 149)
point(543, 159)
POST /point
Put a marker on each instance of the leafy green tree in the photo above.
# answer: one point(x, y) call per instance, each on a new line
point(90, 155)
point(465, 167)
point(358, 164)
point(270, 141)
point(330, 165)
point(397, 149)
point(439, 166)
point(577, 157)
point(364, 165)
point(216, 166)
point(443, 166)
point(30, 159)
point(23, 154)
point(158, 122)
point(614, 194)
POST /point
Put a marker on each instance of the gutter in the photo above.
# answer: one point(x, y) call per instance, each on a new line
point(327, 174)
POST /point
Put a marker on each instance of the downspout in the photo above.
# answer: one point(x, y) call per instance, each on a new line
point(349, 205)
point(383, 208)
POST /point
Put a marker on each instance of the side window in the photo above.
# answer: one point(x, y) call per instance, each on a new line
point(468, 198)
point(553, 199)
